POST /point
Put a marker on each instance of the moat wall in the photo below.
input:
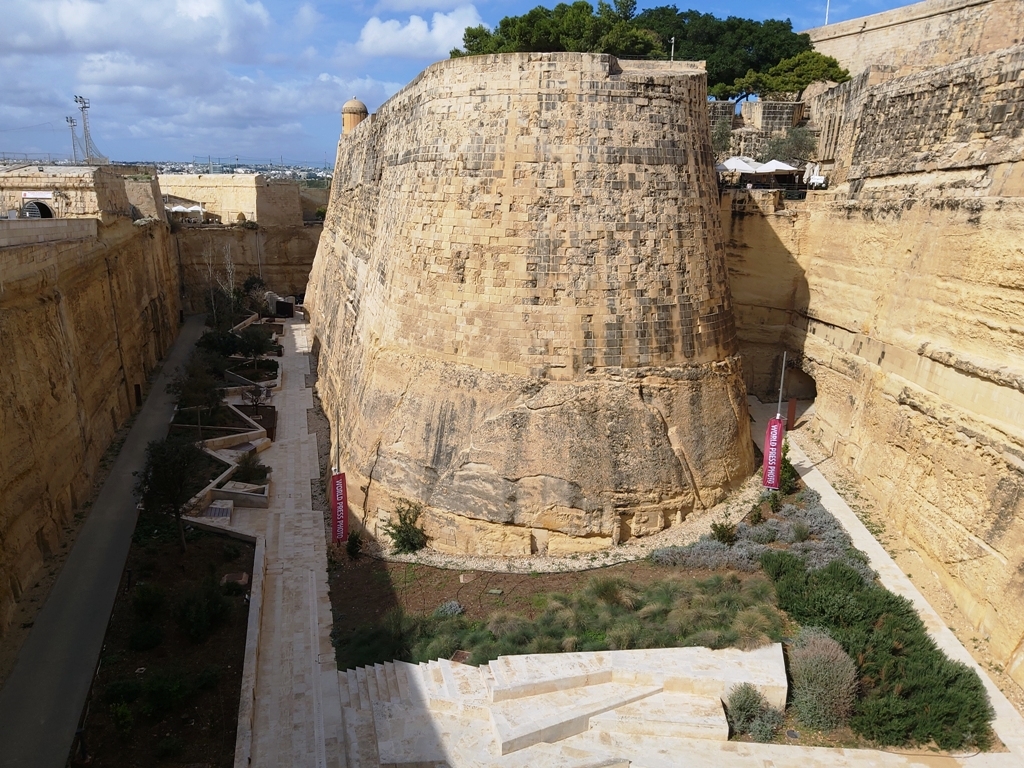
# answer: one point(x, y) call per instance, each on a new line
point(522, 307)
point(82, 322)
point(900, 291)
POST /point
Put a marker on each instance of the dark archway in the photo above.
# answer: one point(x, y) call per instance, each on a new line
point(37, 210)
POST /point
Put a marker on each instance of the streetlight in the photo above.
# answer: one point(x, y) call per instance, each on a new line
point(673, 41)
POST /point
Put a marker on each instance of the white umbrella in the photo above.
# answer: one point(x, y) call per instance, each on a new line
point(742, 164)
point(776, 166)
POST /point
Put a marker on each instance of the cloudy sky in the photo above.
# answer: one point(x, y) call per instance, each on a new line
point(257, 79)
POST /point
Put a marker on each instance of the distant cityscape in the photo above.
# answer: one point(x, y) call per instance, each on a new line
point(299, 170)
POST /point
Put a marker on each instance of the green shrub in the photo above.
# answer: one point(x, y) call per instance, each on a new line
point(170, 746)
point(775, 501)
point(743, 704)
point(724, 532)
point(122, 718)
point(354, 545)
point(123, 690)
point(910, 692)
point(756, 517)
point(147, 600)
point(801, 532)
point(405, 534)
point(766, 724)
point(231, 552)
point(250, 469)
point(145, 637)
point(449, 608)
point(163, 691)
point(789, 478)
point(201, 610)
point(824, 680)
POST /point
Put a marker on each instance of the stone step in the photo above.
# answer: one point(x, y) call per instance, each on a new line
point(522, 722)
point(392, 677)
point(412, 677)
point(353, 687)
point(407, 735)
point(383, 689)
point(403, 680)
point(668, 714)
point(360, 738)
point(371, 684)
point(364, 689)
point(533, 674)
point(343, 692)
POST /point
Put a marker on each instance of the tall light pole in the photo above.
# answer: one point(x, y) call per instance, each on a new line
point(74, 139)
point(826, 11)
point(673, 41)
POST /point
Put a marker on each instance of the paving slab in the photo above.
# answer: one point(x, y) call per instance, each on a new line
point(668, 714)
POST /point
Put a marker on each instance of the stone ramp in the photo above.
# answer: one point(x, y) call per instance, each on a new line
point(528, 710)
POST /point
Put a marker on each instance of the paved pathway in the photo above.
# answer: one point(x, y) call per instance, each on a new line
point(42, 700)
point(1009, 724)
point(297, 718)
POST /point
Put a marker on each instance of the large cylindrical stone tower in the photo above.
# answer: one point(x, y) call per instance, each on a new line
point(522, 305)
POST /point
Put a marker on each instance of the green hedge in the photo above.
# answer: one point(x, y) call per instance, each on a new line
point(910, 692)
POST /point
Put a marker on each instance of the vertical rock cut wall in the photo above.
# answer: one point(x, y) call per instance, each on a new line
point(522, 303)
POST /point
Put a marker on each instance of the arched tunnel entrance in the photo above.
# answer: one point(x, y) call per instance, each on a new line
point(36, 210)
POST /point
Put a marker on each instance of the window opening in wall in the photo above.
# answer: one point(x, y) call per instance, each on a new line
point(37, 210)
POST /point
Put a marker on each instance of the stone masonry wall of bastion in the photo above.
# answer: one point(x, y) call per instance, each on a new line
point(900, 291)
point(522, 309)
point(82, 322)
point(927, 34)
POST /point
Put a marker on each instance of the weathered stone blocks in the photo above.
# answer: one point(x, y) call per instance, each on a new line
point(522, 303)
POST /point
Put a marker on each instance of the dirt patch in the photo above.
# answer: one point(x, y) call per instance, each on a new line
point(177, 700)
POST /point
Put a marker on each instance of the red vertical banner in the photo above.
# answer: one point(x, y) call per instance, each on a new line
point(339, 509)
point(773, 437)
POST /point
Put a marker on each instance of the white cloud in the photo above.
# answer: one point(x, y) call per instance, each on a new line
point(307, 19)
point(417, 5)
point(417, 38)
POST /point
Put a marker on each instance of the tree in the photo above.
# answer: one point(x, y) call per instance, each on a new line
point(797, 146)
point(788, 76)
point(164, 485)
point(254, 341)
point(256, 396)
point(721, 137)
point(199, 382)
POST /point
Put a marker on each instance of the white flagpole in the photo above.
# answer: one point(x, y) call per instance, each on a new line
point(782, 379)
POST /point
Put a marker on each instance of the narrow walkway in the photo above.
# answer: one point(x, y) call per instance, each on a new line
point(1009, 725)
point(42, 700)
point(297, 719)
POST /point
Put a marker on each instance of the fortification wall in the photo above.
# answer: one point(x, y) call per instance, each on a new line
point(522, 306)
point(900, 291)
point(928, 34)
point(75, 192)
point(271, 202)
point(81, 324)
point(283, 255)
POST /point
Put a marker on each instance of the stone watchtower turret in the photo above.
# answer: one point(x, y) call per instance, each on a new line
point(523, 306)
point(352, 114)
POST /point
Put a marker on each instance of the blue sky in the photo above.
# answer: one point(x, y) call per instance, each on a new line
point(257, 79)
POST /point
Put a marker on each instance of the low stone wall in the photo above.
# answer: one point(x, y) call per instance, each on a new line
point(31, 231)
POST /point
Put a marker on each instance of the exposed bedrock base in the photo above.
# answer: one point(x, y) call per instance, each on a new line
point(507, 464)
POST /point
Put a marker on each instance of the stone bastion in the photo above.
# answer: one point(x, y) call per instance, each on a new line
point(522, 308)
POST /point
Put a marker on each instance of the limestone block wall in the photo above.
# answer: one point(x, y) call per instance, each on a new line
point(772, 116)
point(927, 34)
point(521, 300)
point(901, 292)
point(81, 323)
point(283, 255)
point(271, 202)
point(76, 192)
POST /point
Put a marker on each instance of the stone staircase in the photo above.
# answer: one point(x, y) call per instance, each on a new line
point(544, 709)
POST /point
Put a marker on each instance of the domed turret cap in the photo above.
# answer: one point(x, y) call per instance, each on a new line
point(354, 107)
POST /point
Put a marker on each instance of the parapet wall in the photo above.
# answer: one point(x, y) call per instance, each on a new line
point(271, 202)
point(521, 300)
point(928, 34)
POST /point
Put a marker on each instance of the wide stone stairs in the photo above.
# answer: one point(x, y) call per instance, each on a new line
point(543, 709)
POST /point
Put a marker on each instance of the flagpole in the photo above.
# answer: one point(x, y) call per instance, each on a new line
point(826, 11)
point(782, 379)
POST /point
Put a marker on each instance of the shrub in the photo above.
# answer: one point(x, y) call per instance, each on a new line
point(801, 532)
point(163, 691)
point(743, 704)
point(145, 636)
point(231, 552)
point(354, 545)
point(122, 690)
point(775, 501)
point(708, 554)
point(449, 608)
point(250, 469)
point(763, 534)
point(208, 678)
point(824, 680)
point(122, 718)
point(405, 534)
point(789, 478)
point(766, 724)
point(223, 343)
point(147, 600)
point(201, 610)
point(756, 517)
point(910, 691)
point(725, 532)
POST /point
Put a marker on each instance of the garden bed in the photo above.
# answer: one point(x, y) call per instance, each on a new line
point(168, 683)
point(264, 415)
point(217, 422)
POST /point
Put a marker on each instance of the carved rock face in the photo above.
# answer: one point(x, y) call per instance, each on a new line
point(523, 307)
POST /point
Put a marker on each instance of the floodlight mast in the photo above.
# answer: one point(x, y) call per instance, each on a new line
point(74, 137)
point(93, 156)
